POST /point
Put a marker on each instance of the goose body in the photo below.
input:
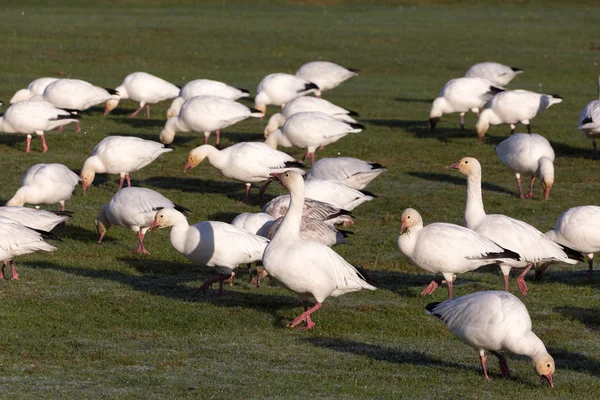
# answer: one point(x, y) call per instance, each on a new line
point(256, 223)
point(75, 94)
point(352, 172)
point(589, 121)
point(315, 209)
point(45, 184)
point(512, 107)
point(35, 88)
point(497, 73)
point(279, 88)
point(146, 89)
point(120, 155)
point(307, 268)
point(446, 248)
point(494, 321)
point(133, 208)
point(34, 218)
point(461, 95)
point(326, 75)
point(206, 114)
point(336, 193)
point(528, 154)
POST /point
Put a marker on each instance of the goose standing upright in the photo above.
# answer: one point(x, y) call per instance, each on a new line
point(497, 73)
point(146, 89)
point(279, 88)
point(309, 269)
point(35, 88)
point(529, 154)
point(531, 244)
point(494, 321)
point(589, 121)
point(352, 172)
point(326, 75)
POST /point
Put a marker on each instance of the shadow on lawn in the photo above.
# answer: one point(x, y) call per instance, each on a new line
point(575, 361)
point(421, 130)
point(457, 180)
point(588, 316)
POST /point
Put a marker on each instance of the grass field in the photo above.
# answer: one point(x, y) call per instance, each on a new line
point(99, 321)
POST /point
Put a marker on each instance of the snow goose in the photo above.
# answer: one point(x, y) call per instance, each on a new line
point(248, 162)
point(307, 268)
point(446, 248)
point(589, 121)
point(211, 244)
point(313, 229)
point(497, 73)
point(461, 95)
point(311, 130)
point(17, 239)
point(319, 210)
point(529, 154)
point(336, 193)
point(133, 208)
point(495, 321)
point(513, 106)
point(28, 117)
point(531, 244)
point(256, 223)
point(120, 155)
point(279, 88)
point(35, 88)
point(326, 75)
point(204, 87)
point(34, 218)
point(45, 184)
point(206, 114)
point(145, 89)
point(308, 103)
point(352, 172)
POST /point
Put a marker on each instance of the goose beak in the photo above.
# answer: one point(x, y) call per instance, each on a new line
point(187, 167)
point(154, 225)
point(403, 228)
point(275, 177)
point(454, 166)
point(85, 187)
point(548, 377)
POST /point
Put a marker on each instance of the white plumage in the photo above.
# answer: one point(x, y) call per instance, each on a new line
point(34, 218)
point(336, 193)
point(352, 172)
point(497, 73)
point(319, 210)
point(528, 154)
point(326, 75)
point(45, 184)
point(35, 88)
point(256, 223)
point(279, 88)
point(589, 121)
point(146, 89)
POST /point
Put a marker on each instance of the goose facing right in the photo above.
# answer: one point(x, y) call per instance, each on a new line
point(146, 89)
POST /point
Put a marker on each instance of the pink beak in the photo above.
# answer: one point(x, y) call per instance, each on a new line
point(85, 188)
point(187, 167)
point(549, 377)
point(546, 193)
point(402, 227)
point(154, 225)
point(453, 166)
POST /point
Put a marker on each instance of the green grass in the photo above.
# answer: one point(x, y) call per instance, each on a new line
point(98, 321)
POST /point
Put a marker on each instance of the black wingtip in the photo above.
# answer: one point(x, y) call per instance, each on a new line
point(557, 96)
point(344, 233)
point(71, 116)
point(352, 113)
point(573, 254)
point(71, 111)
point(355, 70)
point(181, 208)
point(587, 120)
point(243, 90)
point(431, 308)
point(339, 214)
point(309, 86)
point(254, 110)
point(47, 235)
point(367, 193)
point(515, 69)
point(293, 164)
point(506, 253)
point(111, 91)
point(496, 89)
point(357, 126)
point(375, 165)
point(63, 213)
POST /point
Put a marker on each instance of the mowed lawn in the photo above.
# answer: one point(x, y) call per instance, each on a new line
point(99, 321)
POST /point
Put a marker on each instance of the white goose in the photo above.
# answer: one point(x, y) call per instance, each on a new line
point(120, 155)
point(145, 89)
point(248, 162)
point(311, 130)
point(17, 239)
point(35, 88)
point(494, 321)
point(531, 244)
point(461, 95)
point(528, 154)
point(589, 121)
point(204, 87)
point(352, 172)
point(326, 75)
point(211, 244)
point(314, 230)
point(206, 114)
point(446, 248)
point(45, 184)
point(318, 210)
point(256, 223)
point(34, 218)
point(28, 117)
point(499, 74)
point(512, 107)
point(336, 193)
point(279, 88)
point(307, 268)
point(133, 208)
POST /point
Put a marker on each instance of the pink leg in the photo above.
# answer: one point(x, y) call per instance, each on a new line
point(141, 249)
point(28, 148)
point(312, 158)
point(209, 283)
point(137, 111)
point(462, 121)
point(305, 316)
point(62, 206)
point(449, 290)
point(483, 361)
point(230, 280)
point(147, 110)
point(506, 283)
point(128, 180)
point(504, 370)
point(521, 195)
point(218, 132)
point(248, 185)
point(13, 270)
point(121, 183)
point(263, 188)
point(60, 128)
point(77, 126)
point(430, 288)
point(521, 280)
point(44, 145)
point(530, 195)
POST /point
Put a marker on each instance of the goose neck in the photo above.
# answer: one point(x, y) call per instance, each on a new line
point(290, 226)
point(474, 211)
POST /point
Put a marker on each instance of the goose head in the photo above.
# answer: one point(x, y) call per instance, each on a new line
point(196, 156)
point(102, 223)
point(410, 218)
point(544, 367)
point(111, 105)
point(166, 217)
point(467, 166)
point(88, 173)
point(291, 180)
point(546, 171)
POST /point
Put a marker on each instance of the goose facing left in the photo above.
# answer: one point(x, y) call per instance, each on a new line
point(589, 121)
point(146, 89)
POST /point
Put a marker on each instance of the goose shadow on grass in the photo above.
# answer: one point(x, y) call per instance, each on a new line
point(457, 180)
point(579, 362)
point(590, 317)
point(574, 277)
point(413, 100)
point(564, 150)
point(75, 232)
point(141, 122)
point(18, 141)
point(421, 130)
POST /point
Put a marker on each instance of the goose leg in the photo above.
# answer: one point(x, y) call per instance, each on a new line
point(590, 265)
point(3, 268)
point(248, 185)
point(263, 188)
point(430, 288)
point(521, 195)
point(77, 126)
point(521, 280)
point(504, 370)
point(218, 133)
point(462, 121)
point(62, 205)
point(230, 280)
point(141, 249)
point(512, 129)
point(528, 128)
point(147, 110)
point(44, 145)
point(305, 316)
point(209, 283)
point(13, 271)
point(137, 111)
point(530, 194)
point(28, 148)
point(128, 180)
point(506, 283)
point(483, 360)
point(121, 182)
point(595, 151)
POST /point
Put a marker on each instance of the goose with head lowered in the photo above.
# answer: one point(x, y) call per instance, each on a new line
point(531, 244)
point(589, 121)
point(499, 74)
point(279, 88)
point(325, 74)
point(35, 88)
point(352, 172)
point(307, 268)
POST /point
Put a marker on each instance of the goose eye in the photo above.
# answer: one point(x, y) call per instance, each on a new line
point(466, 162)
point(408, 217)
point(548, 365)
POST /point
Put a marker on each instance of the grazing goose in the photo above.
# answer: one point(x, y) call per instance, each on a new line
point(45, 184)
point(305, 104)
point(497, 73)
point(35, 88)
point(204, 87)
point(28, 117)
point(446, 248)
point(531, 244)
point(589, 121)
point(528, 154)
point(17, 239)
point(318, 210)
point(145, 89)
point(352, 172)
point(211, 244)
point(494, 321)
point(120, 155)
point(307, 268)
point(311, 130)
point(336, 193)
point(248, 162)
point(461, 95)
point(277, 89)
point(206, 114)
point(133, 208)
point(511, 107)
point(34, 218)
point(326, 75)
